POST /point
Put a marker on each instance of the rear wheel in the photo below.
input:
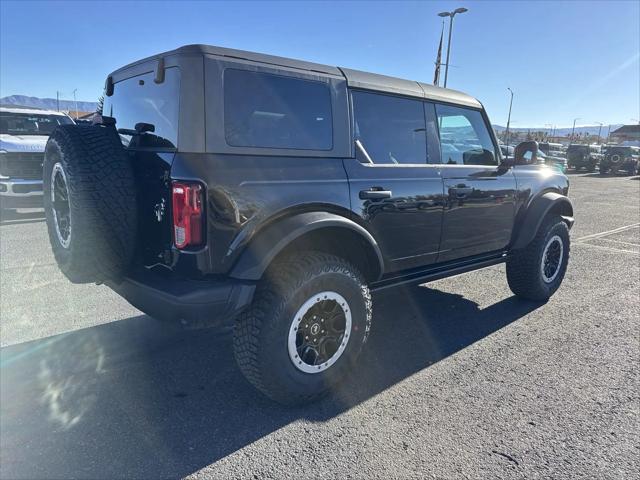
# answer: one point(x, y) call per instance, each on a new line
point(90, 202)
point(536, 271)
point(305, 329)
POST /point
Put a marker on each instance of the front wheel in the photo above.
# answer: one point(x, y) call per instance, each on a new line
point(536, 271)
point(305, 328)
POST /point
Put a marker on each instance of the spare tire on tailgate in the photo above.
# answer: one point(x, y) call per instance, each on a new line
point(90, 202)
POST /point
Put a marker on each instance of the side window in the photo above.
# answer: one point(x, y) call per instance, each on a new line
point(273, 111)
point(464, 138)
point(391, 129)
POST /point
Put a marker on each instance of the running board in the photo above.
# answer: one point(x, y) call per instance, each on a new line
point(436, 273)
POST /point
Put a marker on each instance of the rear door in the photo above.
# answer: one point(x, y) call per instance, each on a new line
point(140, 100)
point(395, 183)
point(480, 193)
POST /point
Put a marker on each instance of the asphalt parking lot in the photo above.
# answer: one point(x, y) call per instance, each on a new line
point(459, 379)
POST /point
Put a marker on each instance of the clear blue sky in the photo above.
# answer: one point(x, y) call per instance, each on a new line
point(562, 59)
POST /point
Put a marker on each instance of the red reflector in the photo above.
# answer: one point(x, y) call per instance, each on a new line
point(187, 214)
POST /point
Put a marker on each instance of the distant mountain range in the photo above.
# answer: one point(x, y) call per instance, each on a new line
point(48, 103)
point(561, 132)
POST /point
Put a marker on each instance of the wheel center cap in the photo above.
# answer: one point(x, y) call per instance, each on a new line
point(315, 328)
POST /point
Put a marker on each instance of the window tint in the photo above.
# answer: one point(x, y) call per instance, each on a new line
point(140, 100)
point(30, 124)
point(464, 138)
point(391, 129)
point(272, 111)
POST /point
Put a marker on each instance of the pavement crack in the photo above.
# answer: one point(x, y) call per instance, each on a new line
point(507, 456)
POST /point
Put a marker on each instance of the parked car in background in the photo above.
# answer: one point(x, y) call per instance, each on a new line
point(553, 149)
point(620, 157)
point(23, 136)
point(553, 159)
point(583, 156)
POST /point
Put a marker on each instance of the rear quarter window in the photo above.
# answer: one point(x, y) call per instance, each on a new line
point(273, 111)
point(140, 100)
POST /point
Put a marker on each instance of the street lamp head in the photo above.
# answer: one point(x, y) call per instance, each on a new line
point(444, 14)
point(460, 10)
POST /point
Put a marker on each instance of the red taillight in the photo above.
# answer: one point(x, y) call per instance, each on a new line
point(187, 214)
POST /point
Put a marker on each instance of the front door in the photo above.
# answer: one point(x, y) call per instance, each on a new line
point(480, 194)
point(395, 189)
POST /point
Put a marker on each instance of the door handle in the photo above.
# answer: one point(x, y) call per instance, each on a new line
point(375, 193)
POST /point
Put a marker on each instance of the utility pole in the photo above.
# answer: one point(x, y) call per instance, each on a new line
point(509, 120)
point(608, 133)
point(57, 100)
point(75, 101)
point(450, 15)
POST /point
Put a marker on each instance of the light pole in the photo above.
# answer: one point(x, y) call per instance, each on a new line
point(550, 125)
point(509, 120)
point(573, 129)
point(450, 15)
point(75, 101)
point(599, 129)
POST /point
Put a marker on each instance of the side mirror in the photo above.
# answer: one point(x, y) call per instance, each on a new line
point(526, 153)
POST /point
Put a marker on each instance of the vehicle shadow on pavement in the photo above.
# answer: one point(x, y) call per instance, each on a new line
point(138, 398)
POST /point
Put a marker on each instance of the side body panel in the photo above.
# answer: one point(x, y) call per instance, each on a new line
point(407, 225)
point(246, 193)
point(480, 210)
point(534, 181)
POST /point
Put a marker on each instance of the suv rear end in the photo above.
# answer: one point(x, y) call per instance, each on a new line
point(583, 156)
point(620, 157)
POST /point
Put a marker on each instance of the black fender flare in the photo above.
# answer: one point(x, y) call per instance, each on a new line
point(536, 213)
point(273, 239)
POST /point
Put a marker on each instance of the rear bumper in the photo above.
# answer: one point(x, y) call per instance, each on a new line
point(627, 165)
point(191, 302)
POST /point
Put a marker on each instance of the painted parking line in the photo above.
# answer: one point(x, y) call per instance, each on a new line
point(607, 233)
point(620, 242)
point(610, 249)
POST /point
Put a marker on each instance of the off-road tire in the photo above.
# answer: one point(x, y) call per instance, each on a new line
point(524, 273)
point(261, 332)
point(101, 202)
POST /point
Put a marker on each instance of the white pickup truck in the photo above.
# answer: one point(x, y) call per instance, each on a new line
point(23, 136)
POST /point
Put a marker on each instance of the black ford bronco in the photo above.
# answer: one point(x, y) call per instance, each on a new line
point(280, 194)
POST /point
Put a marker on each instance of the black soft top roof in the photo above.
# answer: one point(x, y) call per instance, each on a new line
point(354, 78)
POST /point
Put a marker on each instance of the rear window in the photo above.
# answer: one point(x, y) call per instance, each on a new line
point(272, 111)
point(140, 100)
